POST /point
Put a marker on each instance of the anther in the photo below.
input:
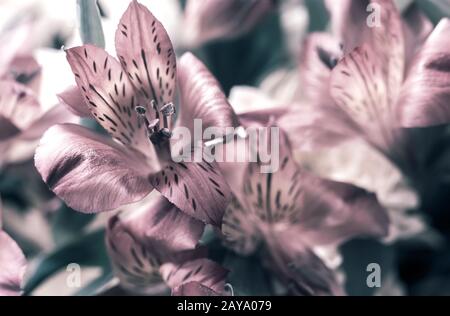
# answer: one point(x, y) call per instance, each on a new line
point(168, 109)
point(140, 110)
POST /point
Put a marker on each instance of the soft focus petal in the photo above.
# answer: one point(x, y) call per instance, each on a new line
point(198, 189)
point(239, 229)
point(360, 87)
point(74, 101)
point(13, 41)
point(215, 19)
point(311, 127)
point(417, 27)
point(349, 22)
point(109, 95)
point(18, 104)
point(25, 70)
point(424, 99)
point(201, 96)
point(141, 240)
point(203, 271)
point(56, 115)
point(300, 269)
point(90, 172)
point(12, 266)
point(367, 82)
point(320, 54)
point(333, 212)
point(146, 52)
point(193, 289)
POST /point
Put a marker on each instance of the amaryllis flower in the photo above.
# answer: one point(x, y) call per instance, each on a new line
point(134, 102)
point(286, 215)
point(12, 264)
point(215, 19)
point(23, 120)
point(154, 248)
point(364, 92)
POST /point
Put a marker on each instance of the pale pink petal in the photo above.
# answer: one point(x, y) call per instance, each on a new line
point(360, 87)
point(146, 52)
point(25, 69)
point(209, 20)
point(12, 266)
point(193, 289)
point(18, 104)
point(349, 22)
point(109, 94)
point(417, 27)
point(201, 96)
point(204, 271)
point(301, 270)
point(311, 127)
point(73, 99)
point(90, 172)
point(56, 115)
point(198, 189)
point(334, 212)
point(424, 99)
point(320, 54)
point(239, 228)
point(143, 239)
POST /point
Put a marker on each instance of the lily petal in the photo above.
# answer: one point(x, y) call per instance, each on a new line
point(198, 189)
point(301, 270)
point(146, 52)
point(202, 97)
point(76, 162)
point(74, 100)
point(25, 70)
point(12, 266)
point(204, 271)
point(58, 114)
point(142, 240)
point(18, 104)
point(334, 212)
point(349, 22)
point(424, 99)
point(193, 289)
point(109, 94)
point(239, 229)
point(417, 27)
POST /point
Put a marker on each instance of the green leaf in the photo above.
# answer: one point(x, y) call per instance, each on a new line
point(97, 286)
point(247, 276)
point(245, 60)
point(68, 224)
point(90, 24)
point(318, 15)
point(88, 250)
point(435, 9)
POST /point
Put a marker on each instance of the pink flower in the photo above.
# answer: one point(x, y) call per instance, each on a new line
point(288, 213)
point(12, 264)
point(133, 101)
point(156, 247)
point(22, 117)
point(370, 82)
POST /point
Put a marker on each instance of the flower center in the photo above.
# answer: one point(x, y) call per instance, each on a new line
point(158, 129)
